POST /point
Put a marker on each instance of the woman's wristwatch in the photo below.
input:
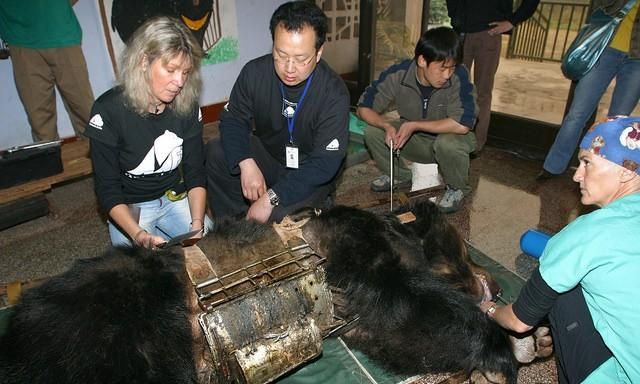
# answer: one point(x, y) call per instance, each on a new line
point(491, 310)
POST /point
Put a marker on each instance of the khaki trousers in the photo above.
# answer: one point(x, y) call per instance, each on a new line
point(37, 73)
point(483, 51)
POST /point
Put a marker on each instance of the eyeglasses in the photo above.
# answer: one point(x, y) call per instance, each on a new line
point(298, 63)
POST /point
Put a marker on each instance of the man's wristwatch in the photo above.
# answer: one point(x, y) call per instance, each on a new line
point(273, 198)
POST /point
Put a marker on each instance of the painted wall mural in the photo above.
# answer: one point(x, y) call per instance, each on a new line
point(213, 23)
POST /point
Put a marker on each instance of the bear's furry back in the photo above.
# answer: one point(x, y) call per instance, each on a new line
point(118, 318)
point(409, 319)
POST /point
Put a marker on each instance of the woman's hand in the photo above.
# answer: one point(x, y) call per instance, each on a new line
point(147, 240)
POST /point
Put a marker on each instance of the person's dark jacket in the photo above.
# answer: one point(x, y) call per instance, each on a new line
point(469, 16)
point(321, 131)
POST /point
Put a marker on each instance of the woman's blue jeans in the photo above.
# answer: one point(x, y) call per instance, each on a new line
point(612, 64)
point(161, 217)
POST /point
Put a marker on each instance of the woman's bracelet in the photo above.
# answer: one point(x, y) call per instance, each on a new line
point(200, 220)
point(135, 237)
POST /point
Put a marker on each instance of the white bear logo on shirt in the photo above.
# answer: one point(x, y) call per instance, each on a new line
point(164, 156)
point(96, 121)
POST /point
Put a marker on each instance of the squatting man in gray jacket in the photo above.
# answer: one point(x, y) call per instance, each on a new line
point(436, 102)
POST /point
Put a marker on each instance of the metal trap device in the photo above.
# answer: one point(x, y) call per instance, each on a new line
point(267, 317)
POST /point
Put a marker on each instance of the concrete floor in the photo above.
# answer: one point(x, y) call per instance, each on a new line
point(506, 201)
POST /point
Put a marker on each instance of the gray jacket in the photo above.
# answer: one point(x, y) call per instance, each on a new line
point(396, 89)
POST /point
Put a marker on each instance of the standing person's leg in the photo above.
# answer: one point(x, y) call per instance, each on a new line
point(578, 347)
point(485, 66)
point(72, 79)
point(35, 85)
point(626, 92)
point(585, 100)
point(468, 52)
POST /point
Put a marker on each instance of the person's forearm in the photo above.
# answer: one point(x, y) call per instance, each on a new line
point(373, 118)
point(121, 215)
point(446, 125)
point(504, 316)
point(197, 200)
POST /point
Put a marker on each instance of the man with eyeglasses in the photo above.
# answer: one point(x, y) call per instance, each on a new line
point(284, 131)
point(435, 99)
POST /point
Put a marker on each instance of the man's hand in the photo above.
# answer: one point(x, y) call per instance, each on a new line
point(260, 210)
point(252, 180)
point(500, 27)
point(404, 134)
point(390, 136)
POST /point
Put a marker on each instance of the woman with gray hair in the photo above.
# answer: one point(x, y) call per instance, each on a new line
point(587, 282)
point(146, 139)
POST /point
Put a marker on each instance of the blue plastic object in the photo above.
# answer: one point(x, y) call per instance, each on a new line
point(533, 242)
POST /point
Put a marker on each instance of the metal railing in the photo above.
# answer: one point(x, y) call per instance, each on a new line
point(548, 33)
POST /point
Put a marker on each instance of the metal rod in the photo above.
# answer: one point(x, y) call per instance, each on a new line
point(363, 370)
point(391, 173)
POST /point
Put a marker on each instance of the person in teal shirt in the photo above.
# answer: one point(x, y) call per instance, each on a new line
point(44, 39)
point(587, 282)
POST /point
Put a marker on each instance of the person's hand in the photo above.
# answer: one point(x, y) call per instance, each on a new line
point(485, 305)
point(500, 27)
point(147, 240)
point(404, 134)
point(389, 135)
point(252, 180)
point(260, 210)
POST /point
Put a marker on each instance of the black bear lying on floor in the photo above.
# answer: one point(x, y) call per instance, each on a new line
point(128, 316)
point(400, 280)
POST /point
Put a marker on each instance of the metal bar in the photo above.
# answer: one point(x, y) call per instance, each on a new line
point(545, 36)
point(253, 279)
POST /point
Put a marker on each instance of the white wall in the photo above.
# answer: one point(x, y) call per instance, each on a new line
point(253, 36)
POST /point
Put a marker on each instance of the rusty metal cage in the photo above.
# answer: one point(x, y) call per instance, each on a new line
point(268, 317)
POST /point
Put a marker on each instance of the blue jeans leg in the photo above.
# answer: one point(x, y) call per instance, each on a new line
point(626, 93)
point(161, 217)
point(585, 100)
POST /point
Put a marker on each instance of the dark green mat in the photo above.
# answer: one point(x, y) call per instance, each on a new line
point(338, 364)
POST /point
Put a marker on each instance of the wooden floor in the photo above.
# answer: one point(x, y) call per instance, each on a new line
point(75, 162)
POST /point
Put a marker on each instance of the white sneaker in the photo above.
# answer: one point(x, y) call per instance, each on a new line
point(451, 201)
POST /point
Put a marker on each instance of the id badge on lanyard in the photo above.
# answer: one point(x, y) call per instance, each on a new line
point(291, 150)
point(291, 153)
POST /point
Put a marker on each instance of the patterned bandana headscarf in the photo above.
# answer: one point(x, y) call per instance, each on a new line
point(617, 140)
